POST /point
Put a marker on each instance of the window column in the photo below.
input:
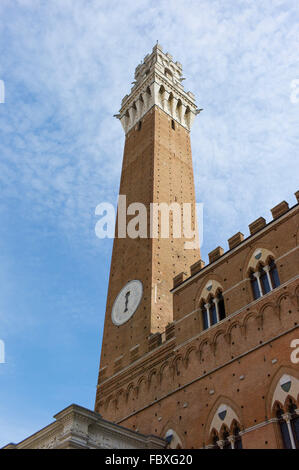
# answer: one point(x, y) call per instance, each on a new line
point(267, 269)
point(232, 441)
point(287, 417)
point(220, 444)
point(257, 276)
point(216, 301)
point(207, 307)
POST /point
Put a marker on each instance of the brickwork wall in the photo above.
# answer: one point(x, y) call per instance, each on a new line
point(180, 383)
point(157, 167)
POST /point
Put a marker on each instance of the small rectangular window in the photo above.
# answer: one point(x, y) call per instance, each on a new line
point(173, 124)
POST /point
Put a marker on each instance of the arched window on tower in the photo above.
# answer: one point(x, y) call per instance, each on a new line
point(283, 428)
point(255, 286)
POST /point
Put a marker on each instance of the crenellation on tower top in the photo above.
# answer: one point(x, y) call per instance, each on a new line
point(157, 82)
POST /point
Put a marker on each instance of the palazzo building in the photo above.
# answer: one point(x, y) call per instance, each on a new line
point(193, 355)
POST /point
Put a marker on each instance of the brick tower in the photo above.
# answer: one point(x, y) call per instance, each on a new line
point(157, 168)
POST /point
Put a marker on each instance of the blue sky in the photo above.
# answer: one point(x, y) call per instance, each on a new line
point(66, 65)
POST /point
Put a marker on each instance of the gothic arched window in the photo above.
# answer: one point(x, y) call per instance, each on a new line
point(264, 279)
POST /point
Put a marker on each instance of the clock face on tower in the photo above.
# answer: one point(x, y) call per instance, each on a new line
point(126, 302)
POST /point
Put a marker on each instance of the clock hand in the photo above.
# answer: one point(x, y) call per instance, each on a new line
point(127, 300)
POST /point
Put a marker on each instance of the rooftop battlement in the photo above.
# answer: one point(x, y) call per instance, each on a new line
point(234, 242)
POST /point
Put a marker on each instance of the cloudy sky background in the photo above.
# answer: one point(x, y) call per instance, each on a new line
point(66, 66)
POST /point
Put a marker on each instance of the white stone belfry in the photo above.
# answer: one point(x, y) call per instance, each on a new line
point(158, 83)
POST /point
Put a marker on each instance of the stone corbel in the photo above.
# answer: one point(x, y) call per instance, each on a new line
point(124, 122)
point(132, 114)
point(165, 101)
point(139, 107)
point(146, 99)
point(180, 113)
point(155, 92)
point(191, 119)
point(172, 106)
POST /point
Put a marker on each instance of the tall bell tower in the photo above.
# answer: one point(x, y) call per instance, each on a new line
point(157, 168)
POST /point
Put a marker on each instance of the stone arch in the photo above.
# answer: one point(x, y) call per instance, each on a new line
point(141, 386)
point(165, 372)
point(250, 324)
point(187, 355)
point(173, 440)
point(204, 343)
point(235, 325)
point(217, 335)
point(175, 364)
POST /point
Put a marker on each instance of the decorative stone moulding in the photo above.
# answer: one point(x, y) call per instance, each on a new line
point(158, 83)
